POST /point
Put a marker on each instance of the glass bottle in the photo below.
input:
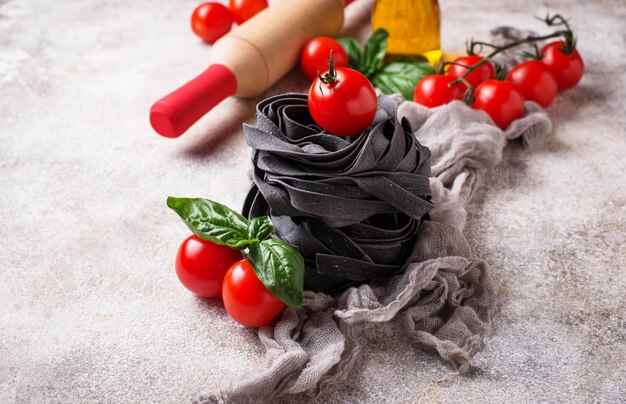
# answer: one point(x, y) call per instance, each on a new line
point(413, 26)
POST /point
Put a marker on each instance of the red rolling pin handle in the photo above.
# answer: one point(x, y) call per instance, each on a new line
point(249, 50)
point(173, 114)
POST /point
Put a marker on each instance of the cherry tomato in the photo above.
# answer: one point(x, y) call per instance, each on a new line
point(343, 103)
point(210, 21)
point(433, 90)
point(243, 10)
point(482, 73)
point(535, 81)
point(245, 297)
point(201, 265)
point(501, 100)
point(567, 69)
point(315, 56)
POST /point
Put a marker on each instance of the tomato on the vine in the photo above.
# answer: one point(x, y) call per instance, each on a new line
point(484, 72)
point(201, 265)
point(245, 297)
point(243, 10)
point(211, 21)
point(535, 81)
point(568, 68)
point(315, 54)
point(435, 90)
point(343, 101)
point(500, 100)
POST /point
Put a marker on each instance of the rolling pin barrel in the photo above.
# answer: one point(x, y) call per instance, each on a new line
point(248, 60)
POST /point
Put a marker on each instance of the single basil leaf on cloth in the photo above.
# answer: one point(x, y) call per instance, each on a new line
point(374, 52)
point(353, 49)
point(212, 221)
point(401, 77)
point(281, 269)
point(260, 228)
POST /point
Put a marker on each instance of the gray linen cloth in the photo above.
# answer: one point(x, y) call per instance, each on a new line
point(443, 300)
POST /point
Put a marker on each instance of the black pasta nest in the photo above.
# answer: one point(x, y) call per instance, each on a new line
point(351, 206)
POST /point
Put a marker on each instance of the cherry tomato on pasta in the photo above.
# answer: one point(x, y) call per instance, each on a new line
point(343, 102)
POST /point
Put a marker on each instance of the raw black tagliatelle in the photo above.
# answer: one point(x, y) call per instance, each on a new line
point(351, 206)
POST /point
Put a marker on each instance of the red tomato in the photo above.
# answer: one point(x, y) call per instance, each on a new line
point(482, 73)
point(245, 297)
point(344, 105)
point(201, 265)
point(501, 100)
point(210, 21)
point(433, 90)
point(535, 81)
point(567, 69)
point(243, 10)
point(316, 53)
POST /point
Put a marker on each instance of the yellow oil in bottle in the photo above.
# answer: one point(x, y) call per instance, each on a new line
point(413, 26)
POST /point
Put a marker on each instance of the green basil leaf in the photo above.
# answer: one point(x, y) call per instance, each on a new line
point(260, 228)
point(212, 221)
point(401, 77)
point(353, 49)
point(281, 269)
point(374, 52)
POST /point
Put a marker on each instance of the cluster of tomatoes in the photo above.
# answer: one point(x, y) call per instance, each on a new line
point(210, 21)
point(537, 80)
point(211, 270)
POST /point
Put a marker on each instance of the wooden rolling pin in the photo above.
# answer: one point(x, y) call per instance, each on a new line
point(248, 60)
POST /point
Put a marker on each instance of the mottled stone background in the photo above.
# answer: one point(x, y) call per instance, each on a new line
point(90, 307)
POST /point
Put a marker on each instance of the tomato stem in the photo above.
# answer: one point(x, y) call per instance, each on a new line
point(475, 47)
point(331, 76)
point(468, 95)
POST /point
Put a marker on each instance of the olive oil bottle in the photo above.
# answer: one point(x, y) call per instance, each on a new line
point(413, 26)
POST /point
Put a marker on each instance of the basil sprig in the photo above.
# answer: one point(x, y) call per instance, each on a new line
point(277, 264)
point(395, 77)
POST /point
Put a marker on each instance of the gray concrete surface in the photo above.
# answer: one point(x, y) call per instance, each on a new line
point(90, 307)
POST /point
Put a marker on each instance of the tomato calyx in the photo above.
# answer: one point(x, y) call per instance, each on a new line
point(569, 40)
point(329, 77)
point(500, 71)
point(468, 94)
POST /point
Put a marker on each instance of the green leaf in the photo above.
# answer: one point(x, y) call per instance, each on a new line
point(374, 52)
point(401, 77)
point(281, 269)
point(260, 228)
point(353, 49)
point(212, 221)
